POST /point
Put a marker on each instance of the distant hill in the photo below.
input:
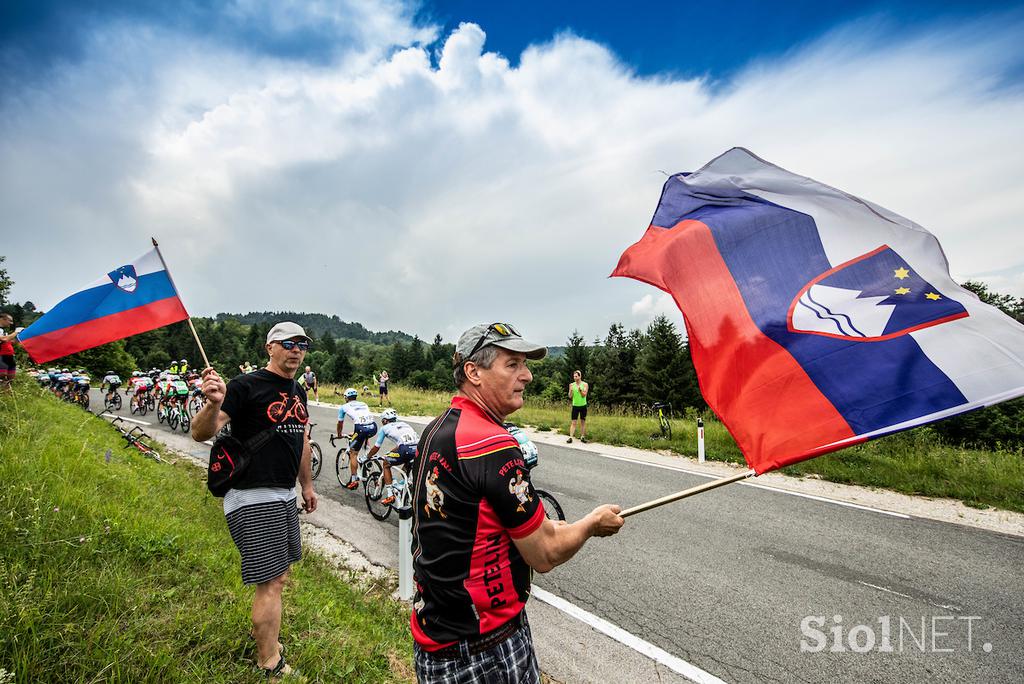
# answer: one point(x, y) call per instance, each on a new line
point(320, 325)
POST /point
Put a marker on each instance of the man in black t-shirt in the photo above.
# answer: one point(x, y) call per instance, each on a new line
point(479, 526)
point(260, 507)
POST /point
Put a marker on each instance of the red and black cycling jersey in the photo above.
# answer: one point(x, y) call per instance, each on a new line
point(473, 497)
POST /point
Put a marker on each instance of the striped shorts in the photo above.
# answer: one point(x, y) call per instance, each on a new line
point(267, 537)
point(513, 661)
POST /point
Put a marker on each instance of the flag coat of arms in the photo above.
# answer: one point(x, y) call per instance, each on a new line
point(816, 319)
point(129, 300)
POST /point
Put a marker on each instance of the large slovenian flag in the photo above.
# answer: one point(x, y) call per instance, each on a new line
point(816, 319)
point(129, 300)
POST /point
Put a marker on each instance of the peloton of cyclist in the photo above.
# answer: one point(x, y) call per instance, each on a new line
point(361, 417)
point(111, 381)
point(140, 385)
point(405, 439)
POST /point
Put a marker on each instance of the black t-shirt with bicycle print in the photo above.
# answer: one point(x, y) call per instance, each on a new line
point(260, 400)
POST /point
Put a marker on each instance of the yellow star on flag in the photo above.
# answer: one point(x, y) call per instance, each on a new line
point(902, 290)
point(902, 273)
point(932, 296)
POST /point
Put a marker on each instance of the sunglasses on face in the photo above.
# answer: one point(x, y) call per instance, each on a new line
point(503, 329)
point(292, 344)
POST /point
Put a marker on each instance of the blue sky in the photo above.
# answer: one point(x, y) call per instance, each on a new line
point(689, 38)
point(401, 154)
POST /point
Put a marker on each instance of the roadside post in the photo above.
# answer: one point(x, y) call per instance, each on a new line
point(700, 440)
point(405, 589)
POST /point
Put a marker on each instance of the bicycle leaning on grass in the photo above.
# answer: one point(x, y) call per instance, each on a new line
point(664, 427)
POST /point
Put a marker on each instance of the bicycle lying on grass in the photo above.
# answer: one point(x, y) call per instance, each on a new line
point(134, 438)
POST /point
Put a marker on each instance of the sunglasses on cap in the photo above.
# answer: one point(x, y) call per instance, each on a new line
point(503, 329)
point(292, 344)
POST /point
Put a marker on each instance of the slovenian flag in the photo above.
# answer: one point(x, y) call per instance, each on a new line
point(816, 319)
point(131, 299)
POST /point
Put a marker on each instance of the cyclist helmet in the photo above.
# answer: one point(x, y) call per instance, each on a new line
point(183, 361)
point(110, 372)
point(351, 393)
point(389, 415)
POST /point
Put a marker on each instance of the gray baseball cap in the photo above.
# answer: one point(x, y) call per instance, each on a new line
point(286, 330)
point(498, 334)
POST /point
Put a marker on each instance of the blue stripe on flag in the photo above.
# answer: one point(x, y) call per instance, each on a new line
point(772, 252)
point(100, 301)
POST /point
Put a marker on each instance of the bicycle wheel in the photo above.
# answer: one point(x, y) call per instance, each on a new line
point(161, 411)
point(83, 400)
point(551, 508)
point(666, 427)
point(117, 401)
point(143, 407)
point(172, 419)
point(373, 490)
point(341, 466)
point(186, 421)
point(316, 458)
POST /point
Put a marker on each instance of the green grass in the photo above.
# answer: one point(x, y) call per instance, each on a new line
point(123, 571)
point(914, 462)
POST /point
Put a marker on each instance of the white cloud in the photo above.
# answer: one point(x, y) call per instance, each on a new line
point(426, 198)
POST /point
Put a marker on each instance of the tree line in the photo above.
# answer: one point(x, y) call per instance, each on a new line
point(627, 369)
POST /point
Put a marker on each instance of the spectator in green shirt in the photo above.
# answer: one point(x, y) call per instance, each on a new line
point(578, 394)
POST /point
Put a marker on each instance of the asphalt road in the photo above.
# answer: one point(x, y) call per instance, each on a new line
point(725, 579)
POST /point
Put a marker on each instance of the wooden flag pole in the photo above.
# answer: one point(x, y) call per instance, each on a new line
point(707, 486)
point(202, 352)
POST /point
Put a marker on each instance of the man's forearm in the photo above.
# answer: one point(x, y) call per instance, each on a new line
point(204, 425)
point(306, 467)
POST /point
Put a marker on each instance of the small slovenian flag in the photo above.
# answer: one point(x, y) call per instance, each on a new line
point(129, 300)
point(817, 319)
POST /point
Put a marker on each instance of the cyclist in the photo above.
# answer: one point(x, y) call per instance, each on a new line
point(111, 381)
point(405, 439)
point(82, 383)
point(359, 413)
point(173, 368)
point(141, 384)
point(183, 367)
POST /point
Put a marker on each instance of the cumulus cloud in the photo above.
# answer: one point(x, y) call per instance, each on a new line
point(432, 187)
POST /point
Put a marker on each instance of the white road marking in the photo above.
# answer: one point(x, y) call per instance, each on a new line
point(758, 486)
point(132, 420)
point(646, 648)
point(891, 591)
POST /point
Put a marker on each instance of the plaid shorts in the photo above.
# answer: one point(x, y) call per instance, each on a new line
point(510, 662)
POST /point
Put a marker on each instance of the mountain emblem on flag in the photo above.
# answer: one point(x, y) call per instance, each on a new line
point(125, 278)
point(876, 296)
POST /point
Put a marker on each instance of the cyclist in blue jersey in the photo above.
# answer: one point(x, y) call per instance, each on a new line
point(405, 439)
point(362, 419)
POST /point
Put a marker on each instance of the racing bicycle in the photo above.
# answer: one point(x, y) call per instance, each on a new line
point(401, 485)
point(366, 467)
point(316, 454)
point(112, 400)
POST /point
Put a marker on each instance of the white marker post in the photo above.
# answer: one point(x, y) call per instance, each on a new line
point(700, 440)
point(405, 589)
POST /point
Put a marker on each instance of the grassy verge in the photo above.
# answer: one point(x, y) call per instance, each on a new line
point(915, 462)
point(122, 570)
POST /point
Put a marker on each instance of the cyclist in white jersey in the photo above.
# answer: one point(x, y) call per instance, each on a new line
point(362, 418)
point(405, 439)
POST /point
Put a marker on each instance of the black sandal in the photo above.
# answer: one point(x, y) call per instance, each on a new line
point(273, 673)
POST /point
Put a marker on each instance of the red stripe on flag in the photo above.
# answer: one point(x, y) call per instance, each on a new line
point(76, 338)
point(764, 397)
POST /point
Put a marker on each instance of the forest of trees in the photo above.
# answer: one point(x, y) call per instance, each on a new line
point(627, 369)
